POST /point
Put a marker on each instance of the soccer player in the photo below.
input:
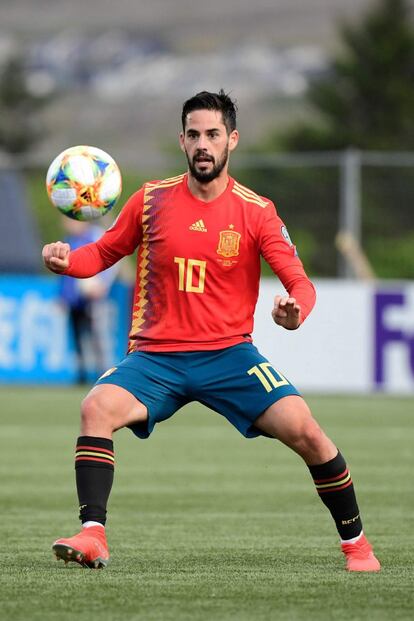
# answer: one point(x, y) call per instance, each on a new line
point(200, 236)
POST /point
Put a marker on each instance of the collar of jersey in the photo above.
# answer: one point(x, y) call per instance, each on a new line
point(212, 203)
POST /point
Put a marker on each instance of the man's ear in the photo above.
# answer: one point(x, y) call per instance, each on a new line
point(233, 139)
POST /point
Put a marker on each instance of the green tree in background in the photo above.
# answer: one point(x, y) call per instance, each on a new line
point(365, 101)
point(367, 98)
point(19, 126)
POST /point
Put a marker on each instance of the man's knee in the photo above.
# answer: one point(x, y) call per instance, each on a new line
point(311, 442)
point(309, 435)
point(94, 409)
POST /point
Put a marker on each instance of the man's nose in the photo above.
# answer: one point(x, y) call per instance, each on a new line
point(202, 143)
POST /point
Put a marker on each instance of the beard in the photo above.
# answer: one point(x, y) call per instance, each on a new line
point(204, 176)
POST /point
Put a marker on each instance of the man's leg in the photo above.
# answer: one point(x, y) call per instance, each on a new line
point(290, 421)
point(105, 409)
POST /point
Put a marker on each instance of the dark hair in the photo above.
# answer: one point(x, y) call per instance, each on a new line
point(212, 101)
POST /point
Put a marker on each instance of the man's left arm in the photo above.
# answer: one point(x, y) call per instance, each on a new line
point(291, 310)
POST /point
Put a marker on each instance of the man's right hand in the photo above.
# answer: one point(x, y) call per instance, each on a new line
point(56, 256)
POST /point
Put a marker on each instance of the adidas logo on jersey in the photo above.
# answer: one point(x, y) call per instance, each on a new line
point(198, 226)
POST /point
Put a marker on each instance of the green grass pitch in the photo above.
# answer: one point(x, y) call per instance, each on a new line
point(204, 525)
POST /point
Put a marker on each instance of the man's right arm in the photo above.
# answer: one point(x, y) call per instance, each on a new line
point(118, 241)
point(83, 262)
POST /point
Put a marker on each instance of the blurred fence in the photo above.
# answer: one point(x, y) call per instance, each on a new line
point(368, 196)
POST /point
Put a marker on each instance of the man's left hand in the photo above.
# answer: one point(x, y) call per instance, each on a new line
point(286, 312)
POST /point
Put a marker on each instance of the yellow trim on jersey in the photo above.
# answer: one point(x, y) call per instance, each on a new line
point(249, 192)
point(167, 183)
point(142, 301)
point(138, 315)
point(249, 200)
point(248, 195)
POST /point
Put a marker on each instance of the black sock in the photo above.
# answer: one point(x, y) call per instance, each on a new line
point(94, 464)
point(334, 485)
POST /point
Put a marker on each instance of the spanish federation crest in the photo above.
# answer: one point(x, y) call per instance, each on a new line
point(229, 243)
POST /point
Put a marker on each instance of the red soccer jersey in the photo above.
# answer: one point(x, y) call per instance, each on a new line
point(198, 264)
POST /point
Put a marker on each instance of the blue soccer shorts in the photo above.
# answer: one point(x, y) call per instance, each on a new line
point(237, 382)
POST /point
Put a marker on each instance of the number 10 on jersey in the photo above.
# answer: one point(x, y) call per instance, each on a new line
point(191, 274)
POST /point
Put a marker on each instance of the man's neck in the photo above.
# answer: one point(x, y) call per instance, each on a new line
point(208, 192)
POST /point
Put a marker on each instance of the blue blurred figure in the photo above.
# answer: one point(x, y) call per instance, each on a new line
point(83, 298)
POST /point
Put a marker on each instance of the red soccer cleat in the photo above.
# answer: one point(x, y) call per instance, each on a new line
point(88, 548)
point(360, 556)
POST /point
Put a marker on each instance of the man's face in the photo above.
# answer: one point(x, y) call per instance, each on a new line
point(206, 144)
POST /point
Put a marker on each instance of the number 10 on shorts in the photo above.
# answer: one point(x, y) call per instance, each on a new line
point(268, 376)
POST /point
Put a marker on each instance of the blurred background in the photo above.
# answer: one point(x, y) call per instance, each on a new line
point(325, 92)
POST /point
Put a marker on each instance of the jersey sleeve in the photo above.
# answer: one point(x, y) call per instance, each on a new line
point(280, 253)
point(121, 239)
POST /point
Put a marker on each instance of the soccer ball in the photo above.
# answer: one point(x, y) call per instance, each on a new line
point(84, 183)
